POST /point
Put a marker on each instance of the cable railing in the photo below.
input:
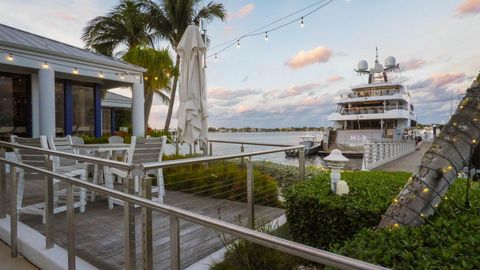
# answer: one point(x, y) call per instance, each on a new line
point(148, 207)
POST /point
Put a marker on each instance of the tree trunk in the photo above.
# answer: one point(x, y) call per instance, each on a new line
point(148, 106)
point(450, 152)
point(172, 94)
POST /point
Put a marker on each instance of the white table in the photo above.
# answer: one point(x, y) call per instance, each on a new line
point(101, 150)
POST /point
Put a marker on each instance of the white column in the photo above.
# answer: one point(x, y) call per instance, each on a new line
point(46, 87)
point(138, 108)
point(35, 106)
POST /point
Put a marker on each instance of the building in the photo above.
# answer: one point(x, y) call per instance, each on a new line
point(52, 88)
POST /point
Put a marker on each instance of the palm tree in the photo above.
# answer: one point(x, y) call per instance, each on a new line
point(126, 28)
point(454, 148)
point(126, 25)
point(170, 18)
point(160, 69)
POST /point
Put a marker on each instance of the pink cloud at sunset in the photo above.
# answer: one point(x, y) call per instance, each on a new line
point(304, 58)
point(412, 64)
point(242, 12)
point(469, 7)
point(334, 78)
point(442, 79)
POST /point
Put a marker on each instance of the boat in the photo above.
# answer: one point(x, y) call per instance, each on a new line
point(310, 143)
point(377, 110)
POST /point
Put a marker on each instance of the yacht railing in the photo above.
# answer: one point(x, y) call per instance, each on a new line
point(372, 109)
point(148, 206)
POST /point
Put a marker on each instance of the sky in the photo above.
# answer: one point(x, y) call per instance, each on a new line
point(295, 77)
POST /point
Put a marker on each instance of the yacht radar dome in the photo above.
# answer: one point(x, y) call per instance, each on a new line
point(362, 66)
point(390, 62)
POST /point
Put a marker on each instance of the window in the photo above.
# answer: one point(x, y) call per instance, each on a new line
point(14, 105)
point(83, 108)
point(59, 108)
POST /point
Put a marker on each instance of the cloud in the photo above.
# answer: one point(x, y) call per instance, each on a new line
point(412, 64)
point(334, 78)
point(439, 80)
point(222, 93)
point(242, 12)
point(317, 55)
point(296, 90)
point(468, 7)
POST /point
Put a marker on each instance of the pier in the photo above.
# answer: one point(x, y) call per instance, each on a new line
point(407, 163)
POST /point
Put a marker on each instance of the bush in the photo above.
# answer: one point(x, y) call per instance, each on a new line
point(286, 175)
point(319, 218)
point(449, 241)
point(223, 180)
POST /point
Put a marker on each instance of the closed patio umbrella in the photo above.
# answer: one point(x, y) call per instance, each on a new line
point(192, 111)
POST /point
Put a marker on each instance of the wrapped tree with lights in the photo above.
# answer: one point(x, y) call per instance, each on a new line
point(453, 149)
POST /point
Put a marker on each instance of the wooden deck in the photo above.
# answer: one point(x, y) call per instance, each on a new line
point(408, 163)
point(100, 235)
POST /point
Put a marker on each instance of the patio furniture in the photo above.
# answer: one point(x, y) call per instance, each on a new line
point(115, 139)
point(142, 150)
point(100, 150)
point(68, 167)
point(39, 160)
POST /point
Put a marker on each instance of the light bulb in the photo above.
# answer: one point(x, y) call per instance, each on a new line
point(301, 23)
point(238, 43)
point(215, 57)
point(45, 65)
point(266, 36)
point(10, 57)
point(122, 76)
point(75, 71)
point(145, 78)
point(156, 78)
point(138, 77)
point(101, 75)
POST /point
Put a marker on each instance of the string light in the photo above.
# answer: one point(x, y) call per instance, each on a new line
point(266, 36)
point(45, 65)
point(75, 71)
point(10, 57)
point(156, 78)
point(238, 43)
point(425, 190)
point(101, 75)
point(301, 23)
point(145, 78)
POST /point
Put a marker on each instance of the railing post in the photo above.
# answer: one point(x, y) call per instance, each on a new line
point(301, 164)
point(174, 243)
point(70, 227)
point(147, 234)
point(211, 148)
point(129, 225)
point(190, 147)
point(250, 195)
point(13, 211)
point(242, 150)
point(3, 187)
point(49, 241)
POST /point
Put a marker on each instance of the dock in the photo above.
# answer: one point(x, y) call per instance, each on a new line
point(100, 234)
point(407, 163)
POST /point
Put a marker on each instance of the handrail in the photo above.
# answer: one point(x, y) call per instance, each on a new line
point(190, 161)
point(250, 143)
point(296, 249)
point(101, 161)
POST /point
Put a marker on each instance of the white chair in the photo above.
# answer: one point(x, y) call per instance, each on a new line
point(66, 166)
point(115, 139)
point(39, 160)
point(141, 151)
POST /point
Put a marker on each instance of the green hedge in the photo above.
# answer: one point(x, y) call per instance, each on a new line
point(224, 180)
point(449, 241)
point(318, 218)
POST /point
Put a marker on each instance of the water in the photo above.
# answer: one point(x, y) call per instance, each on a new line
point(287, 138)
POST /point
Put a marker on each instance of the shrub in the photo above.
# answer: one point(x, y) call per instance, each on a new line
point(319, 218)
point(224, 180)
point(286, 175)
point(448, 241)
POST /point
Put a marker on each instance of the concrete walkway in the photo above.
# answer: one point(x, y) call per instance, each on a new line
point(7, 262)
point(408, 163)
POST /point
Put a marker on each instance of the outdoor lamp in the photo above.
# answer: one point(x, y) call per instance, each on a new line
point(335, 162)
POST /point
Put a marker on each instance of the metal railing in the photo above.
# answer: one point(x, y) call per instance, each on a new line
point(376, 154)
point(372, 109)
point(148, 206)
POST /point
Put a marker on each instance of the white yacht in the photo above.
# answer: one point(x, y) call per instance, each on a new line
point(374, 110)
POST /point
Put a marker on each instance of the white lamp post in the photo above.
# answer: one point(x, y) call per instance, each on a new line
point(335, 162)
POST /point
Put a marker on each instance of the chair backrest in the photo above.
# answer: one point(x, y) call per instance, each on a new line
point(30, 157)
point(76, 139)
point(61, 144)
point(115, 139)
point(146, 149)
